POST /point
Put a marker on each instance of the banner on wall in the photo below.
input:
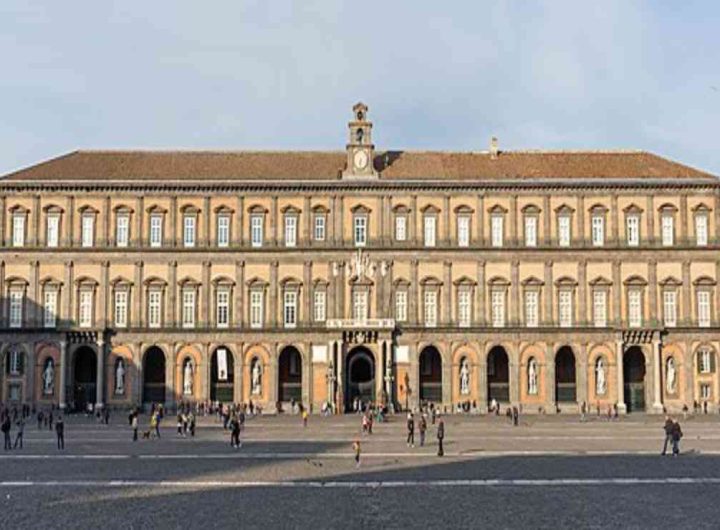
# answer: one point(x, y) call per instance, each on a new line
point(222, 374)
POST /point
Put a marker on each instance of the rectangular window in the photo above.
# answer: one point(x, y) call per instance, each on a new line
point(86, 309)
point(53, 230)
point(18, 234)
point(360, 230)
point(565, 308)
point(189, 231)
point(121, 306)
point(188, 308)
point(668, 230)
point(256, 230)
point(290, 231)
point(122, 230)
point(564, 231)
point(154, 304)
point(156, 236)
point(598, 230)
point(319, 227)
point(223, 230)
point(88, 231)
point(670, 309)
point(530, 231)
point(634, 308)
point(290, 309)
point(704, 362)
point(16, 309)
point(464, 308)
point(429, 230)
point(600, 308)
point(401, 306)
point(50, 309)
point(701, 230)
point(463, 228)
point(531, 309)
point(319, 306)
point(633, 230)
point(497, 307)
point(430, 307)
point(400, 228)
point(256, 309)
point(222, 315)
point(360, 306)
point(496, 230)
point(703, 308)
point(705, 391)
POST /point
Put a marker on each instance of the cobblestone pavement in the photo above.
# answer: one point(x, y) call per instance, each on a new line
point(547, 472)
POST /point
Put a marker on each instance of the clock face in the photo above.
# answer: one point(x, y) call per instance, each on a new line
point(360, 159)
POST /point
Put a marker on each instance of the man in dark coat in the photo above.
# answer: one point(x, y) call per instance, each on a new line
point(668, 428)
point(60, 431)
point(6, 431)
point(676, 435)
point(410, 430)
point(441, 436)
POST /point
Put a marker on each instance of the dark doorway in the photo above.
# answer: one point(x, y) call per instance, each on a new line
point(290, 375)
point(222, 376)
point(498, 375)
point(360, 376)
point(154, 376)
point(565, 382)
point(85, 377)
point(634, 379)
point(430, 375)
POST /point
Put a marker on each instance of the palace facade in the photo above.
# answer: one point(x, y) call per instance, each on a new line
point(542, 279)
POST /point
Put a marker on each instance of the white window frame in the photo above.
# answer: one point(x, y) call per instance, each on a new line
point(430, 308)
point(257, 313)
point(564, 230)
point(463, 230)
point(319, 231)
point(360, 305)
point(50, 308)
point(257, 229)
point(632, 230)
point(154, 308)
point(497, 308)
point(600, 308)
point(360, 225)
point(17, 301)
point(430, 230)
point(532, 308)
point(598, 230)
point(635, 308)
point(670, 308)
point(85, 309)
point(122, 230)
point(704, 313)
point(52, 235)
point(319, 306)
point(188, 308)
point(464, 305)
point(189, 230)
point(222, 308)
point(400, 227)
point(705, 361)
point(290, 307)
point(401, 305)
point(156, 230)
point(18, 232)
point(531, 222)
point(291, 223)
point(121, 308)
point(87, 230)
point(667, 223)
point(705, 391)
point(701, 229)
point(565, 308)
point(223, 230)
point(497, 230)
point(15, 361)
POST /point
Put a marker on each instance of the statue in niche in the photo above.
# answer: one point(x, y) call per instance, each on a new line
point(464, 378)
point(120, 377)
point(49, 377)
point(532, 377)
point(188, 378)
point(600, 379)
point(671, 376)
point(256, 377)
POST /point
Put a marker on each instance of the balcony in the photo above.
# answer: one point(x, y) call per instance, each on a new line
point(366, 323)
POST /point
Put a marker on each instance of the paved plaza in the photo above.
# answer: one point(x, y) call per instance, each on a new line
point(547, 472)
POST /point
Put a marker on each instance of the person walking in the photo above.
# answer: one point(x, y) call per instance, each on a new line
point(21, 430)
point(441, 437)
point(668, 428)
point(180, 424)
point(356, 450)
point(422, 428)
point(60, 431)
point(134, 425)
point(676, 435)
point(304, 417)
point(191, 420)
point(50, 421)
point(410, 430)
point(235, 433)
point(40, 419)
point(6, 431)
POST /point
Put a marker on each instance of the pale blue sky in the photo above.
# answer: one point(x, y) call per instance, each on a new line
point(283, 75)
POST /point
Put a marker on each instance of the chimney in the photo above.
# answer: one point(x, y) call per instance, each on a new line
point(494, 148)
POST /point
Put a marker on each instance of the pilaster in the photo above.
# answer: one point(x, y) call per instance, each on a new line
point(481, 313)
point(446, 309)
point(548, 292)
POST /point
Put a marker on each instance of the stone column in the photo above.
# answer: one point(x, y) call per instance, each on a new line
point(515, 293)
point(33, 296)
point(171, 316)
point(482, 388)
point(514, 242)
point(657, 394)
point(616, 293)
point(480, 226)
point(3, 306)
point(272, 373)
point(580, 237)
point(446, 236)
point(382, 224)
point(650, 220)
point(138, 237)
point(622, 408)
point(413, 221)
point(686, 294)
point(68, 317)
point(239, 232)
point(3, 219)
point(413, 294)
point(388, 232)
point(238, 367)
point(138, 378)
point(206, 315)
point(582, 375)
point(69, 239)
point(341, 223)
point(306, 229)
point(615, 216)
point(514, 375)
point(63, 375)
point(31, 371)
point(207, 232)
point(480, 317)
point(100, 381)
point(683, 219)
point(652, 292)
point(547, 221)
point(170, 377)
point(689, 371)
point(273, 294)
point(306, 381)
point(239, 312)
point(582, 292)
point(333, 220)
point(274, 221)
point(107, 237)
point(330, 297)
point(414, 378)
point(307, 294)
point(173, 221)
point(137, 319)
point(548, 292)
point(104, 301)
point(34, 234)
point(716, 312)
point(342, 287)
point(447, 380)
point(550, 399)
point(446, 309)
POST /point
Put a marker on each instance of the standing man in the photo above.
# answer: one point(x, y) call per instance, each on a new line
point(60, 431)
point(134, 425)
point(676, 435)
point(6, 431)
point(441, 437)
point(668, 428)
point(410, 430)
point(21, 429)
point(423, 428)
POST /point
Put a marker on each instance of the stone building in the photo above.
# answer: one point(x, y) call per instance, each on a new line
point(543, 279)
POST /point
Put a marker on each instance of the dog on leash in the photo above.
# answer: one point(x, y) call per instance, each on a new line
point(146, 435)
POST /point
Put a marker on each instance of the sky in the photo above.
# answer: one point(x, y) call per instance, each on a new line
point(237, 74)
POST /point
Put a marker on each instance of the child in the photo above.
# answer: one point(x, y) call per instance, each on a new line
point(304, 417)
point(356, 449)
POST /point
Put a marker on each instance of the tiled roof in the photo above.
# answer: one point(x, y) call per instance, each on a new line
point(328, 165)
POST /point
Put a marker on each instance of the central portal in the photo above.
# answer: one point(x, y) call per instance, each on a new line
point(360, 376)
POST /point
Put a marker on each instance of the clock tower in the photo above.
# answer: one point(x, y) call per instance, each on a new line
point(360, 150)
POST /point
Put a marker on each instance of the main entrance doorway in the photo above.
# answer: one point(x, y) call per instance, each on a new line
point(290, 375)
point(154, 376)
point(498, 375)
point(85, 377)
point(222, 375)
point(634, 379)
point(430, 375)
point(565, 382)
point(360, 376)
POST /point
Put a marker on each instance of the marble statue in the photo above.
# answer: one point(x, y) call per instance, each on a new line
point(120, 377)
point(256, 377)
point(464, 378)
point(188, 378)
point(532, 377)
point(49, 377)
point(671, 376)
point(600, 380)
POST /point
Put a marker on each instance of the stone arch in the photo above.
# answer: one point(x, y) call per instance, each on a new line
point(261, 353)
point(124, 353)
point(465, 352)
point(676, 352)
point(155, 360)
point(191, 353)
point(565, 374)
point(601, 352)
point(635, 370)
point(43, 352)
point(223, 379)
point(430, 373)
point(498, 373)
point(289, 374)
point(536, 352)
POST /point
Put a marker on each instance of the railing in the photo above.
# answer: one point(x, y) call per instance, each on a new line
point(351, 323)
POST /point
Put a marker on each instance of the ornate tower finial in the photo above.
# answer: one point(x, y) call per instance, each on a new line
point(360, 150)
